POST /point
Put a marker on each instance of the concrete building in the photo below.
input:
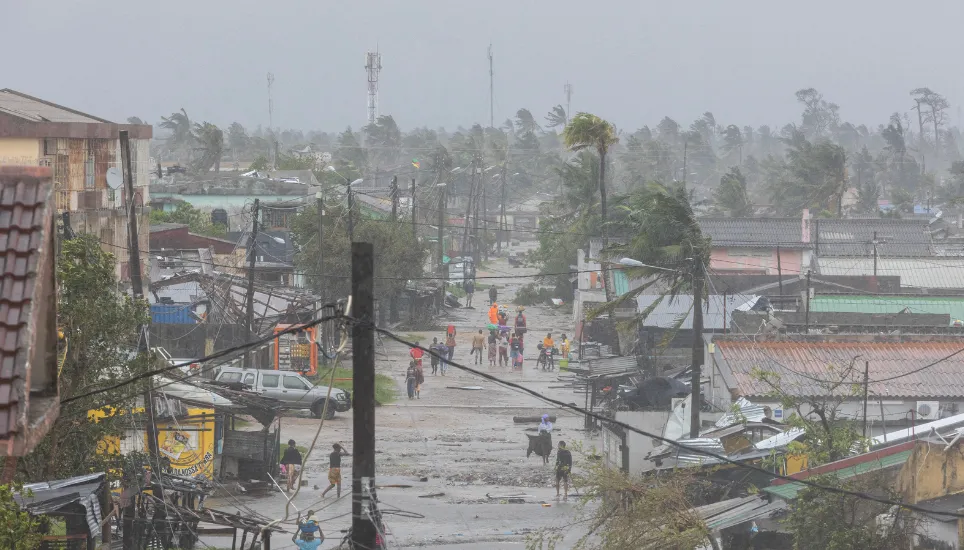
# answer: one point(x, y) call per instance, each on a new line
point(80, 148)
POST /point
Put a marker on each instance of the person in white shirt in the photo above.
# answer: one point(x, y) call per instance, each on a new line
point(545, 426)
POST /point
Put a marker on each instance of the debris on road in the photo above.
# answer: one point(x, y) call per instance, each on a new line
point(531, 419)
point(432, 495)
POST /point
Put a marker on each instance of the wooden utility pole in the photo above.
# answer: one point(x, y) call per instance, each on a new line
point(502, 225)
point(363, 510)
point(806, 316)
point(441, 245)
point(866, 388)
point(697, 363)
point(137, 286)
point(779, 271)
point(485, 220)
point(414, 223)
point(468, 209)
point(249, 294)
point(394, 192)
point(320, 206)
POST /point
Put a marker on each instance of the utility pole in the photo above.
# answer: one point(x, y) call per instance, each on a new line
point(806, 317)
point(779, 271)
point(485, 220)
point(875, 253)
point(686, 143)
point(697, 364)
point(320, 205)
point(491, 90)
point(272, 153)
point(441, 237)
point(363, 505)
point(249, 294)
point(866, 387)
point(414, 230)
point(351, 210)
point(394, 193)
point(502, 233)
point(468, 207)
point(137, 286)
point(568, 89)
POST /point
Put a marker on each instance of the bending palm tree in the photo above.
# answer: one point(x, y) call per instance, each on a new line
point(672, 253)
point(586, 131)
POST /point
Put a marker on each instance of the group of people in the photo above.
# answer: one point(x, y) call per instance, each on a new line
point(309, 534)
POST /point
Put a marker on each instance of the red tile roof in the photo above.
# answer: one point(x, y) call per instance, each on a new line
point(24, 192)
point(804, 366)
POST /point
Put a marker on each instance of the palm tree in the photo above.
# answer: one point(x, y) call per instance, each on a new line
point(587, 131)
point(209, 141)
point(556, 117)
point(672, 253)
point(525, 122)
point(181, 130)
point(731, 195)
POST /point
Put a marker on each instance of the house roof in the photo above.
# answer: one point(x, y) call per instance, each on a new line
point(668, 311)
point(269, 250)
point(930, 272)
point(735, 511)
point(24, 195)
point(847, 468)
point(951, 305)
point(854, 237)
point(35, 109)
point(160, 227)
point(754, 232)
point(926, 369)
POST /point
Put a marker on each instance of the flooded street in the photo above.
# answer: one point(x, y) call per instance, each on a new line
point(455, 456)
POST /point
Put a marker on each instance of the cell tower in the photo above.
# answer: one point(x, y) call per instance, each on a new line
point(270, 104)
point(568, 90)
point(373, 65)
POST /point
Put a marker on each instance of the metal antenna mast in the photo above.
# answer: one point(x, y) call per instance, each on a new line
point(491, 88)
point(568, 89)
point(373, 65)
point(271, 120)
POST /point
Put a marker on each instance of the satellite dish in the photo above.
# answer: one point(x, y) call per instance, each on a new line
point(114, 178)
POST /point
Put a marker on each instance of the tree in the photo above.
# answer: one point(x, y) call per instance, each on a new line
point(21, 531)
point(98, 353)
point(525, 122)
point(238, 139)
point(209, 140)
point(586, 131)
point(819, 116)
point(731, 195)
point(134, 120)
point(667, 239)
point(557, 117)
point(811, 176)
point(181, 130)
point(198, 222)
point(385, 137)
point(619, 512)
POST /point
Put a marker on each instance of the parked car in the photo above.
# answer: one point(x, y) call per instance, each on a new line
point(293, 390)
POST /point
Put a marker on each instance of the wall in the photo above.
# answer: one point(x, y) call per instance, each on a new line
point(639, 445)
point(24, 151)
point(756, 260)
point(110, 227)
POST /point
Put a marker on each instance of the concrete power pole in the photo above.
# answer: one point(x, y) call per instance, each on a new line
point(249, 294)
point(373, 65)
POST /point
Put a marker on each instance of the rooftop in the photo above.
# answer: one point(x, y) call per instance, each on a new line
point(931, 272)
point(24, 195)
point(854, 237)
point(951, 305)
point(925, 369)
point(35, 109)
point(874, 461)
point(754, 232)
point(667, 312)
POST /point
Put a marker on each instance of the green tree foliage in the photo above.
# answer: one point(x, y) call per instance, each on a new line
point(20, 530)
point(820, 520)
point(398, 254)
point(385, 140)
point(98, 353)
point(197, 221)
point(179, 124)
point(209, 145)
point(557, 117)
point(811, 176)
point(731, 196)
point(238, 140)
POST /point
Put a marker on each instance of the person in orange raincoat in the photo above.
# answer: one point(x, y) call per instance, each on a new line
point(494, 314)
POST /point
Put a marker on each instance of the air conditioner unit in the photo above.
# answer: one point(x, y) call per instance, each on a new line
point(928, 410)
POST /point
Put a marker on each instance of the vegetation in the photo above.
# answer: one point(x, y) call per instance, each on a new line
point(384, 384)
point(20, 530)
point(198, 222)
point(97, 354)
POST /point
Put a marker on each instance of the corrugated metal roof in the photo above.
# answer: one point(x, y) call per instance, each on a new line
point(854, 237)
point(729, 513)
point(919, 272)
point(754, 232)
point(747, 412)
point(802, 365)
point(669, 310)
point(953, 306)
point(789, 491)
point(37, 110)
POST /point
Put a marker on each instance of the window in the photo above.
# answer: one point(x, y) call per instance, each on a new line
point(89, 172)
point(231, 377)
point(270, 380)
point(50, 147)
point(294, 383)
point(249, 379)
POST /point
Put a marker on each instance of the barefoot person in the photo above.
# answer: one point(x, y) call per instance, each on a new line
point(334, 469)
point(563, 468)
point(292, 463)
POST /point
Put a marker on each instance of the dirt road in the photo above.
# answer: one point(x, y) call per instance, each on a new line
point(462, 443)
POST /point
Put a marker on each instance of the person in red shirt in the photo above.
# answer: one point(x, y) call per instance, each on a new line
point(417, 354)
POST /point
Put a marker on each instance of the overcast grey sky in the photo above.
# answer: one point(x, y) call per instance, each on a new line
point(631, 61)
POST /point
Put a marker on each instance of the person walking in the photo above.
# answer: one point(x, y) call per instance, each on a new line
point(493, 348)
point(520, 322)
point(493, 294)
point(419, 380)
point(411, 379)
point(469, 288)
point(435, 355)
point(478, 344)
point(494, 314)
point(291, 460)
point(334, 469)
point(450, 344)
point(514, 347)
point(444, 355)
point(563, 469)
point(503, 349)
